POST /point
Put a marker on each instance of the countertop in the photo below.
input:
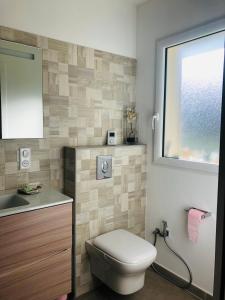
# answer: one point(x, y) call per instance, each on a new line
point(45, 198)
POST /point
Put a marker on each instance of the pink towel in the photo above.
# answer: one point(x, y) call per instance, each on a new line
point(194, 220)
point(64, 297)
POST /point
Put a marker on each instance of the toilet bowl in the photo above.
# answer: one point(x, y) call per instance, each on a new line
point(119, 259)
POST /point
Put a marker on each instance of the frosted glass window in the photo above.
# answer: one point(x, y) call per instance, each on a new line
point(193, 95)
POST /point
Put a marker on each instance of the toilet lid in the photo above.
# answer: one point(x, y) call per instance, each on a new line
point(125, 246)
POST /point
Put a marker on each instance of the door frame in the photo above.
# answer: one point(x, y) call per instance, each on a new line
point(219, 272)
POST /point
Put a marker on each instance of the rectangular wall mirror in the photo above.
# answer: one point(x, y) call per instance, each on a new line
point(21, 91)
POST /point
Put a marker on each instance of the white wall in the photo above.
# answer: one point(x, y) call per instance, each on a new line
point(170, 190)
point(108, 25)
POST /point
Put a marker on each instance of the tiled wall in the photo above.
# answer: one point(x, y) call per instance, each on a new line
point(104, 205)
point(85, 91)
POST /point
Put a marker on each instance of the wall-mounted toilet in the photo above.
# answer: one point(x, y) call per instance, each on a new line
point(119, 259)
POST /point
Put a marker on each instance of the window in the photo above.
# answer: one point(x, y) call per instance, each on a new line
point(189, 95)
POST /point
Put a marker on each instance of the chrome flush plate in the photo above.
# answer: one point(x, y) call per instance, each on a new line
point(104, 167)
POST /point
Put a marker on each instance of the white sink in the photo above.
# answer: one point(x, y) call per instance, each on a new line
point(12, 200)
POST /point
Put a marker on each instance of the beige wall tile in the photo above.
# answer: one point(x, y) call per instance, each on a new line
point(85, 91)
point(2, 183)
point(63, 85)
point(11, 168)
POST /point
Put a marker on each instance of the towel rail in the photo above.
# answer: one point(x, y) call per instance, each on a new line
point(206, 213)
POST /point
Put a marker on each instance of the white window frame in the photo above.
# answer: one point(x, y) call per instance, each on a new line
point(157, 121)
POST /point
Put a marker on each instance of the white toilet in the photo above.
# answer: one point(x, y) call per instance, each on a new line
point(119, 259)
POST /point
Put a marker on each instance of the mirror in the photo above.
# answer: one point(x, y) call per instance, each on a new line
point(21, 91)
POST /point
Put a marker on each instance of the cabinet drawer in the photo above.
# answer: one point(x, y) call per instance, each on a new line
point(30, 236)
point(45, 279)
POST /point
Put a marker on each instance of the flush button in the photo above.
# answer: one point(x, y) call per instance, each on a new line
point(104, 167)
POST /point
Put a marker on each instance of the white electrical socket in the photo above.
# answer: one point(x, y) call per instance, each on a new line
point(25, 158)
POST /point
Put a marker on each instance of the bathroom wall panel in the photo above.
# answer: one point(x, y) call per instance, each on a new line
point(104, 205)
point(84, 93)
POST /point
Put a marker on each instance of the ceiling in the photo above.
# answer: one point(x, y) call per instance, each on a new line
point(137, 2)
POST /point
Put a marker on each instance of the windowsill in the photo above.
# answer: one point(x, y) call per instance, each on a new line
point(191, 165)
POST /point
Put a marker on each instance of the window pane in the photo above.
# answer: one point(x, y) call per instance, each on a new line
point(193, 97)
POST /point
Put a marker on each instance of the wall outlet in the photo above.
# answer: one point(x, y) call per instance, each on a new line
point(25, 158)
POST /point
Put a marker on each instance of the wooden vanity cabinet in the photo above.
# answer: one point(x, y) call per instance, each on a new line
point(35, 254)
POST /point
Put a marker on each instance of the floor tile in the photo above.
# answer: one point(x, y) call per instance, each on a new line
point(156, 288)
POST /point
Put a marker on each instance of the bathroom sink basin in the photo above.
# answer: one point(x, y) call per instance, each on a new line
point(10, 201)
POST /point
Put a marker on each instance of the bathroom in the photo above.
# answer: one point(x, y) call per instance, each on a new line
point(100, 61)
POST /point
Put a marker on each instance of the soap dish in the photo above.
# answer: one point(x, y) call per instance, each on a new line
point(30, 188)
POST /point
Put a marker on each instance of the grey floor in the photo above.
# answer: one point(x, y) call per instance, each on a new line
point(156, 288)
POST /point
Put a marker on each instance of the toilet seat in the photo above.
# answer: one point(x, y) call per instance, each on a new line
point(125, 247)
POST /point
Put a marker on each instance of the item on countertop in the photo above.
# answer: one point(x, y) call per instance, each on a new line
point(111, 137)
point(30, 188)
point(131, 121)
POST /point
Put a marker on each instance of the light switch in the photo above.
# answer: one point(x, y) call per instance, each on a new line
point(26, 153)
point(25, 158)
